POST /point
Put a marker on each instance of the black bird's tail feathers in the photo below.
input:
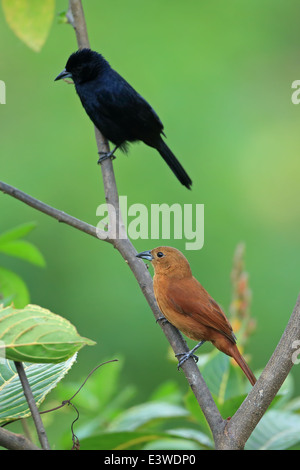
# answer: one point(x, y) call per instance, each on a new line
point(174, 164)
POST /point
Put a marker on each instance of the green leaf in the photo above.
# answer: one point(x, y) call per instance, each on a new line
point(230, 406)
point(193, 434)
point(171, 444)
point(119, 440)
point(11, 285)
point(101, 391)
point(10, 244)
point(24, 250)
point(17, 232)
point(34, 334)
point(139, 415)
point(30, 20)
point(42, 379)
point(62, 17)
point(195, 411)
point(224, 379)
point(134, 440)
point(6, 301)
point(277, 430)
point(168, 391)
point(137, 440)
point(293, 405)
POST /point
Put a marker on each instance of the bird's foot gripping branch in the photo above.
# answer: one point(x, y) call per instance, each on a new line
point(187, 305)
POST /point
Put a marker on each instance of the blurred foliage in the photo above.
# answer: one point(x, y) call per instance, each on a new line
point(30, 20)
point(240, 315)
point(219, 75)
point(109, 414)
point(111, 418)
point(12, 287)
point(42, 379)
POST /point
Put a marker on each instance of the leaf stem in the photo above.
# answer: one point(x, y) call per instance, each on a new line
point(32, 406)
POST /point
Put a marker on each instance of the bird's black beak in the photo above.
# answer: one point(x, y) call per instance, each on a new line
point(145, 255)
point(63, 74)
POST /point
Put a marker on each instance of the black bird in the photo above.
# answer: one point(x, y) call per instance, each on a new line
point(116, 109)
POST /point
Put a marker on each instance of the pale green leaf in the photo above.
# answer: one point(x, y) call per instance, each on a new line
point(136, 440)
point(277, 430)
point(42, 379)
point(138, 416)
point(30, 20)
point(34, 334)
point(17, 232)
point(11, 285)
point(24, 250)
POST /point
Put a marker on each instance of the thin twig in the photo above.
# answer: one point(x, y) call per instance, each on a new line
point(32, 406)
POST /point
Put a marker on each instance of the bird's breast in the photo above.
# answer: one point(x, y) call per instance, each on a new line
point(186, 322)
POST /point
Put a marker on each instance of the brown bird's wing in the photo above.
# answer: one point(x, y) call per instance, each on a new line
point(190, 299)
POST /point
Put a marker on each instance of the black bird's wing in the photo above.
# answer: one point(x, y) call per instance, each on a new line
point(124, 113)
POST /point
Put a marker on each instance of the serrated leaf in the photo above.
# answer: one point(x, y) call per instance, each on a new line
point(34, 334)
point(42, 379)
point(30, 20)
point(11, 285)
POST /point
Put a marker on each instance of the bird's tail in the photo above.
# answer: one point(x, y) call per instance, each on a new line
point(174, 164)
point(243, 364)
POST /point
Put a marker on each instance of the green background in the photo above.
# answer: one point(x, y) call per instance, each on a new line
point(219, 75)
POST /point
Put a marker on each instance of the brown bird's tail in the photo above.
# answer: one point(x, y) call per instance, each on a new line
point(235, 353)
point(174, 164)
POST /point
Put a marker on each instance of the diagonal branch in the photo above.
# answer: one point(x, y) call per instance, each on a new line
point(13, 441)
point(126, 249)
point(241, 425)
point(144, 279)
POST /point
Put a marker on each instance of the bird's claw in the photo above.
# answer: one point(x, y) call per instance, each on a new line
point(162, 319)
point(105, 156)
point(185, 357)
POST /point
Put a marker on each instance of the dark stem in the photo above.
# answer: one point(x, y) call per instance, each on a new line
point(32, 406)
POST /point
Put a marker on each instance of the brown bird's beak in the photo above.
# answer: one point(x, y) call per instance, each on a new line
point(63, 74)
point(145, 255)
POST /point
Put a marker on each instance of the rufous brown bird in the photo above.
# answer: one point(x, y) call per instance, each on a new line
point(188, 306)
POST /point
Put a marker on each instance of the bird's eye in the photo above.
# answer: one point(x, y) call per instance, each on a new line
point(160, 254)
